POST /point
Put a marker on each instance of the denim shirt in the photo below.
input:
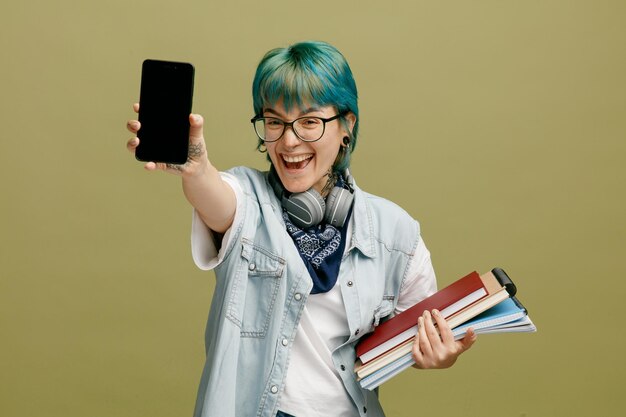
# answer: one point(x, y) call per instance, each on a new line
point(261, 289)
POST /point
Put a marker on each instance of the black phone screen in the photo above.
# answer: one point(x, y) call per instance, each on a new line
point(164, 106)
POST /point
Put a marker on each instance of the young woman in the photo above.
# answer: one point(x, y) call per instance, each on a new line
point(306, 262)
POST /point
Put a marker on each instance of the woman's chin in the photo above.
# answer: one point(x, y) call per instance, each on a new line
point(297, 186)
point(296, 180)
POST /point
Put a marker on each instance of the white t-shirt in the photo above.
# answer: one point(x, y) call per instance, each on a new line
point(313, 387)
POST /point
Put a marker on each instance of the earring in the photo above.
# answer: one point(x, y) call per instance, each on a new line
point(346, 141)
point(261, 148)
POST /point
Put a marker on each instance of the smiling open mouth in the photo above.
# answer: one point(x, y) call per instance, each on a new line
point(297, 161)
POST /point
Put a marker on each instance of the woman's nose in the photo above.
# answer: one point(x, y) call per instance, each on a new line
point(290, 138)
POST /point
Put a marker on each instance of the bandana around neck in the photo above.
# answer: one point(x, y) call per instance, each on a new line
point(321, 248)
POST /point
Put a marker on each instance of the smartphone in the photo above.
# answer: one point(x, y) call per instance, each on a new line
point(165, 102)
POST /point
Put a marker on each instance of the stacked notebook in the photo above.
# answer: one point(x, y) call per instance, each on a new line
point(486, 303)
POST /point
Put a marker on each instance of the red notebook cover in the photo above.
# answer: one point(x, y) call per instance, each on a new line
point(408, 318)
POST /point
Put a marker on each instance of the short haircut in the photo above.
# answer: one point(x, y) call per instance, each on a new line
point(308, 73)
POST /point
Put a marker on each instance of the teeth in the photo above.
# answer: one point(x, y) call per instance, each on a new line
point(297, 158)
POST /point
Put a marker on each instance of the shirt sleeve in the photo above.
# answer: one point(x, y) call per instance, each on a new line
point(207, 247)
point(420, 281)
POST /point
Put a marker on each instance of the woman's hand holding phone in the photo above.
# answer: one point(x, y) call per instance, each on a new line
point(197, 155)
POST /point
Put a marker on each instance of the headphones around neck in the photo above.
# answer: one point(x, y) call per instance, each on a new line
point(308, 209)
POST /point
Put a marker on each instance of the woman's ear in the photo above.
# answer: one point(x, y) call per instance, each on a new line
point(350, 122)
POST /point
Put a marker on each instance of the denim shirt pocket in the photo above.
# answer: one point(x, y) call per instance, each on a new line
point(254, 292)
point(383, 310)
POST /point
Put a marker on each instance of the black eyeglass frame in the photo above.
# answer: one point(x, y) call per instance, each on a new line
point(290, 124)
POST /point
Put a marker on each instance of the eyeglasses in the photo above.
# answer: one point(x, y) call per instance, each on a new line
point(307, 128)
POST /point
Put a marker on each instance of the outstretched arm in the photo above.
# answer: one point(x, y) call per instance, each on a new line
point(203, 186)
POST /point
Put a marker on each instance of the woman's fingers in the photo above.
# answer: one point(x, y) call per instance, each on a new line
point(422, 349)
point(151, 166)
point(447, 337)
point(434, 345)
point(157, 166)
point(162, 166)
point(445, 332)
point(196, 123)
point(469, 339)
point(418, 356)
point(197, 148)
point(132, 144)
point(431, 331)
point(133, 126)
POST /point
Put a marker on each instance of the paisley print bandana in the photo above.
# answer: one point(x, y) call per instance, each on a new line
point(321, 248)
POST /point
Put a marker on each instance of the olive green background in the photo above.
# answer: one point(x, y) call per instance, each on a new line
point(499, 125)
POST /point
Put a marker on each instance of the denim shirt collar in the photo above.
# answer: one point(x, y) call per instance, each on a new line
point(363, 231)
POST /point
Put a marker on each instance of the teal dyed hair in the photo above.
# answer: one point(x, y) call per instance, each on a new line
point(308, 73)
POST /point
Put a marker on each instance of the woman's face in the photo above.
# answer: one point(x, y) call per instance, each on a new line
point(302, 165)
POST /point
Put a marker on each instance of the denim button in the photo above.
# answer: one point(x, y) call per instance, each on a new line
point(298, 296)
point(274, 389)
point(252, 266)
point(350, 283)
point(284, 342)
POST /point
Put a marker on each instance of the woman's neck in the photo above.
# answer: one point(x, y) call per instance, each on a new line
point(330, 182)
